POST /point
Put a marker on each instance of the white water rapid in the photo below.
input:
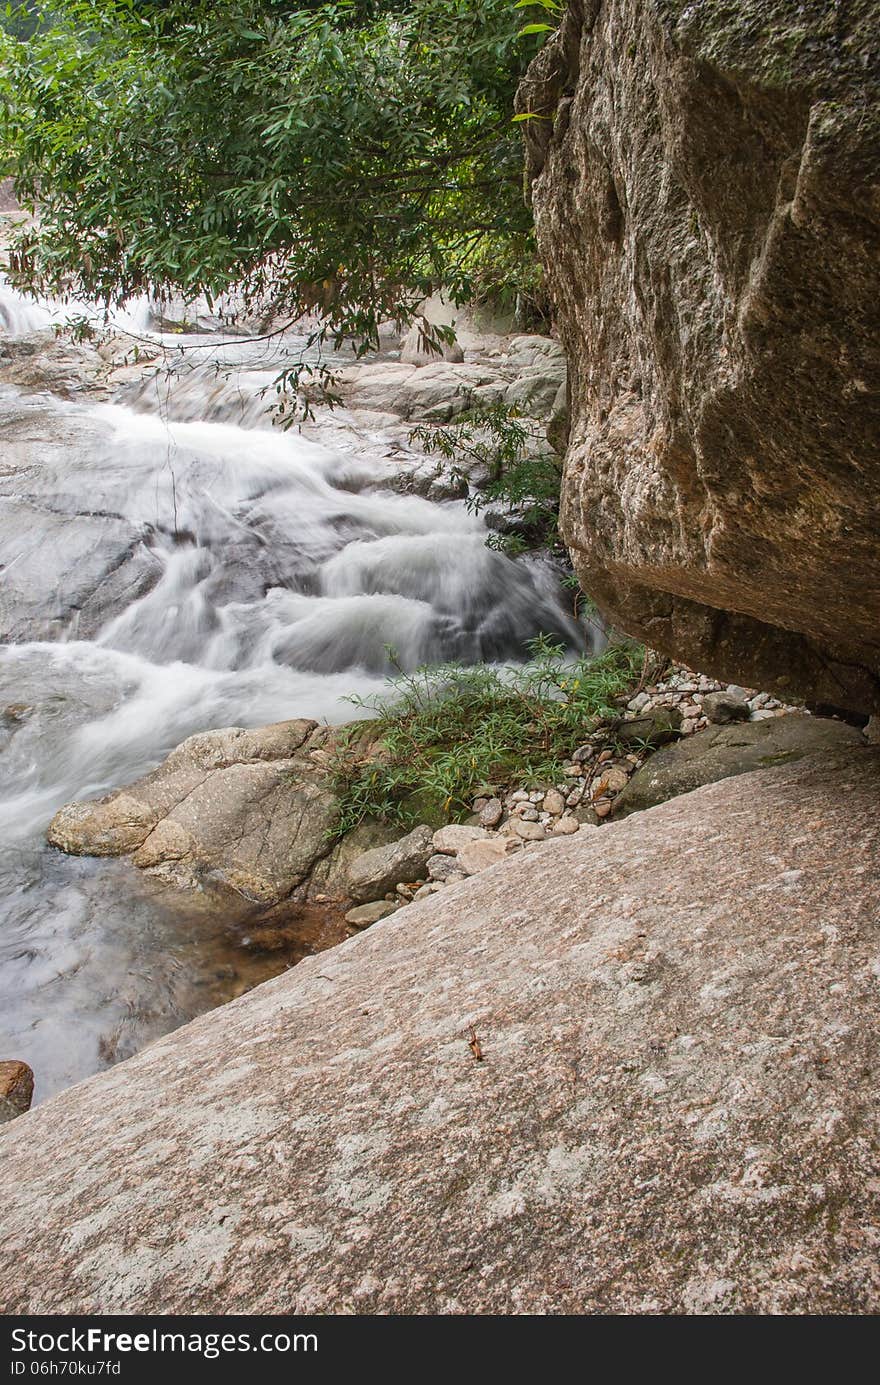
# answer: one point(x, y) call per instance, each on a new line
point(161, 575)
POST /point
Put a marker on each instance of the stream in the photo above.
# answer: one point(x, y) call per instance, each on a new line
point(172, 563)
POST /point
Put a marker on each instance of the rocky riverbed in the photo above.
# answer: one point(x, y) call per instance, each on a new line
point(173, 563)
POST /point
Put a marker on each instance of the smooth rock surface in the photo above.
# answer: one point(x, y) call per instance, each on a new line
point(705, 185)
point(675, 1111)
point(479, 855)
point(722, 751)
point(449, 840)
point(364, 915)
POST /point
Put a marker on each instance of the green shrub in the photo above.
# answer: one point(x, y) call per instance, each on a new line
point(445, 733)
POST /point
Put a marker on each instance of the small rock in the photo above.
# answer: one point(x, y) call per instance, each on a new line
point(530, 831)
point(602, 809)
point(441, 866)
point(565, 826)
point(554, 803)
point(637, 703)
point(366, 914)
point(430, 887)
point(449, 840)
point(605, 756)
point(491, 813)
point(375, 872)
point(615, 780)
point(526, 813)
point(722, 708)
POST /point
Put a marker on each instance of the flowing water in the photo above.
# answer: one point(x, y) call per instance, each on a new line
point(172, 563)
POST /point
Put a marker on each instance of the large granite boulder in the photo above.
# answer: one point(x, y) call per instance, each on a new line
point(246, 811)
point(705, 185)
point(674, 1110)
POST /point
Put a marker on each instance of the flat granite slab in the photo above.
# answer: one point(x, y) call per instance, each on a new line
point(674, 1112)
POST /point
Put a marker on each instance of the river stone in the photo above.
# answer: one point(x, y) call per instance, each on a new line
point(720, 496)
point(491, 813)
point(378, 871)
point(529, 831)
point(722, 751)
point(674, 1113)
point(721, 708)
point(477, 855)
point(448, 840)
point(554, 802)
point(565, 826)
point(363, 915)
point(442, 867)
point(16, 1089)
point(246, 811)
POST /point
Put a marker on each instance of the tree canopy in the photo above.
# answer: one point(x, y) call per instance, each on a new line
point(344, 158)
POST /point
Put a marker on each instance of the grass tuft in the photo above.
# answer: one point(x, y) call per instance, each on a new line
point(444, 734)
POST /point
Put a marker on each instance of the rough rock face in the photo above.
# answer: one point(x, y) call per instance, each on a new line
point(239, 810)
point(706, 196)
point(16, 1089)
point(675, 1111)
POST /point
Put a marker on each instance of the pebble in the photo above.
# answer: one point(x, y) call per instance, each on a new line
point(565, 826)
point(491, 813)
point(554, 803)
point(615, 780)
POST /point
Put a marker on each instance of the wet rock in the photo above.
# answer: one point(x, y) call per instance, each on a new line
point(719, 752)
point(16, 1089)
point(363, 915)
point(676, 1061)
point(381, 869)
point(722, 439)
